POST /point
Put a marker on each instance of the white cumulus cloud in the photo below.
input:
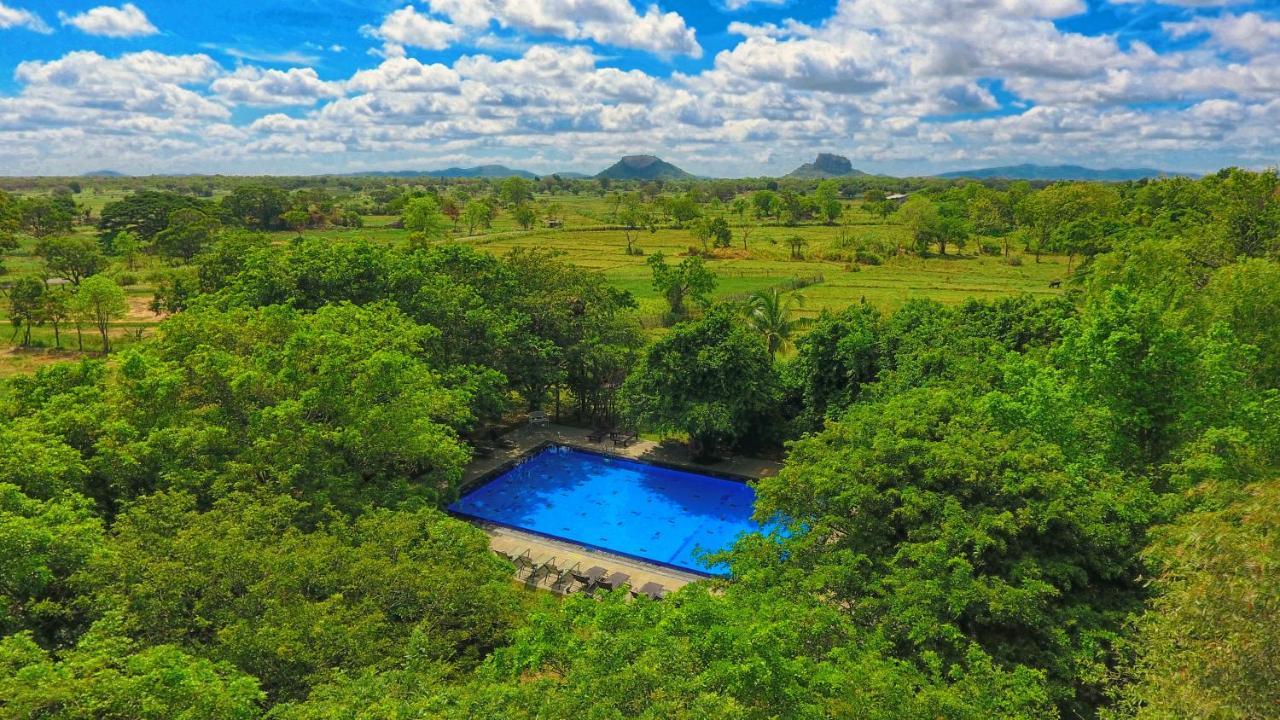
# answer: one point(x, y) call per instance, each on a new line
point(608, 22)
point(125, 21)
point(251, 85)
point(1250, 32)
point(11, 17)
point(408, 27)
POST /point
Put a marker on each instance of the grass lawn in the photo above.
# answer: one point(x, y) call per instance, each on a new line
point(588, 240)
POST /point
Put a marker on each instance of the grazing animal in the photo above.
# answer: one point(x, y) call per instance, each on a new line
point(1055, 283)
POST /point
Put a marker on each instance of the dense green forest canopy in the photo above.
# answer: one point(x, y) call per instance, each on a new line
point(1056, 506)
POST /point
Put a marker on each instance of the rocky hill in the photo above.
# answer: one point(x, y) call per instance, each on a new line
point(826, 165)
point(643, 167)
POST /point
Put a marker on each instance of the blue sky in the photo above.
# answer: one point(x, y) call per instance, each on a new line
point(733, 87)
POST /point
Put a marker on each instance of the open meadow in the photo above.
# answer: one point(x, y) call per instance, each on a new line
point(831, 280)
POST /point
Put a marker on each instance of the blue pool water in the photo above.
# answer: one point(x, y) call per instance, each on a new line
point(627, 507)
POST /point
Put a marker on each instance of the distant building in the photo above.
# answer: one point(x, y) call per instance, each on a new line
point(896, 197)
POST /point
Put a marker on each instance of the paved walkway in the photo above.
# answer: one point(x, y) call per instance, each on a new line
point(525, 438)
point(556, 557)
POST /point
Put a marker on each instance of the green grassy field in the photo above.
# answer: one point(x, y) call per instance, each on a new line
point(588, 240)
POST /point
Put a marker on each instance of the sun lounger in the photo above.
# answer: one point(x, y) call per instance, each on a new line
point(651, 590)
point(623, 439)
point(591, 576)
point(537, 417)
point(566, 582)
point(597, 435)
point(615, 581)
point(536, 566)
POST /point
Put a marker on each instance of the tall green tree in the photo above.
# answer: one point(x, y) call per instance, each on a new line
point(145, 214)
point(256, 206)
point(690, 280)
point(99, 301)
point(838, 355)
point(26, 306)
point(1207, 647)
point(515, 191)
point(108, 675)
point(43, 544)
point(711, 379)
point(635, 217)
point(922, 517)
point(244, 584)
point(476, 214)
point(772, 314)
point(188, 233)
point(73, 258)
point(422, 216)
point(42, 216)
point(127, 246)
point(827, 199)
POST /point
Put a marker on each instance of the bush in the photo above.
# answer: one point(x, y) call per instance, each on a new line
point(126, 279)
point(866, 257)
point(1014, 260)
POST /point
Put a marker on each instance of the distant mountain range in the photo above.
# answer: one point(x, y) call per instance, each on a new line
point(643, 167)
point(826, 165)
point(480, 171)
point(1058, 172)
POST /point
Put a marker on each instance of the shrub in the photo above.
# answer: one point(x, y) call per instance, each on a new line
point(866, 257)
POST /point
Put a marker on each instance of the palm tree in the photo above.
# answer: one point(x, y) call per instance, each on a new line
point(772, 314)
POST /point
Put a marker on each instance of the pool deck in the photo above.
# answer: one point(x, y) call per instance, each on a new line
point(514, 542)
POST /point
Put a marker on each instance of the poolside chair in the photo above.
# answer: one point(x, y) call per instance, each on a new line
point(651, 590)
point(543, 570)
point(522, 558)
point(537, 417)
point(591, 576)
point(597, 435)
point(530, 564)
point(564, 583)
point(615, 581)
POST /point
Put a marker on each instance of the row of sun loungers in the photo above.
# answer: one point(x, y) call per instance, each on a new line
point(538, 569)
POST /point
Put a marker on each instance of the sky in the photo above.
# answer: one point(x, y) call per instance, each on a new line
point(725, 88)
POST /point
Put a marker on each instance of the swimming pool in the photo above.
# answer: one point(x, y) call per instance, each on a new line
point(631, 508)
